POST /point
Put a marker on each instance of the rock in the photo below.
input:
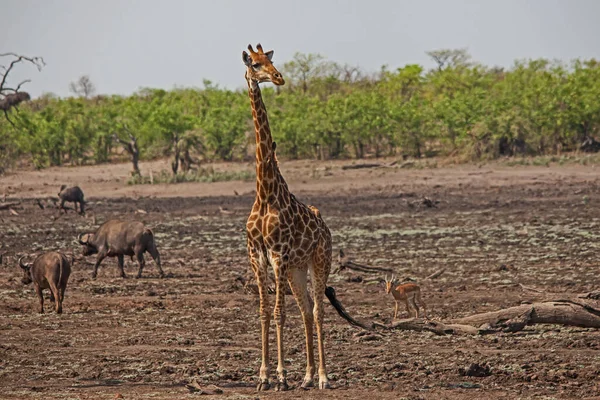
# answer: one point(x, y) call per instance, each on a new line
point(475, 370)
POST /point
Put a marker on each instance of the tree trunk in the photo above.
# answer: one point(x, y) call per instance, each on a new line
point(175, 163)
point(573, 310)
point(569, 312)
point(131, 147)
point(135, 158)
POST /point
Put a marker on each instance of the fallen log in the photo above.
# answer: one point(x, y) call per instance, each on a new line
point(582, 311)
point(360, 166)
point(436, 274)
point(345, 262)
point(362, 268)
point(569, 312)
point(6, 206)
point(422, 325)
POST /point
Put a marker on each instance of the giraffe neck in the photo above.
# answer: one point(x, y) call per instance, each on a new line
point(270, 185)
point(264, 140)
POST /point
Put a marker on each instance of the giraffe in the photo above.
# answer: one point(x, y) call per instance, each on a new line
point(285, 233)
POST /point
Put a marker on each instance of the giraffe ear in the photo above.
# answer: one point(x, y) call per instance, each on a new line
point(269, 55)
point(246, 59)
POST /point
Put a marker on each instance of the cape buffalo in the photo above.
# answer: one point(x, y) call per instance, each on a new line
point(71, 194)
point(117, 238)
point(48, 271)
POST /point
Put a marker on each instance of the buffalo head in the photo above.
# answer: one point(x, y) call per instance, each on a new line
point(26, 279)
point(88, 248)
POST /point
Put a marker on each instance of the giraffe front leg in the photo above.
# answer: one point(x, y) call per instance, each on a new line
point(279, 316)
point(260, 272)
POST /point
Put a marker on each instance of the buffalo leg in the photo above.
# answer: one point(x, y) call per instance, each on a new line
point(141, 262)
point(40, 295)
point(81, 208)
point(101, 256)
point(121, 259)
point(57, 301)
point(156, 257)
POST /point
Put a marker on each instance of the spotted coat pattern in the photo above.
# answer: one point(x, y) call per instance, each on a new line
point(285, 233)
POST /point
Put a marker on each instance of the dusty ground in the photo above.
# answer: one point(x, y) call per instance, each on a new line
point(146, 338)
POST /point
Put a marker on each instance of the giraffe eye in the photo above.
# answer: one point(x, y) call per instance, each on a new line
point(256, 66)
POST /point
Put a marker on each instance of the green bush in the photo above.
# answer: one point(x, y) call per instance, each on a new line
point(326, 111)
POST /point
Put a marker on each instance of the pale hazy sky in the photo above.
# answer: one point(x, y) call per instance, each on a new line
point(124, 45)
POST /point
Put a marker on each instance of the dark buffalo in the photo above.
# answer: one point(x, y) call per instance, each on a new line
point(116, 238)
point(71, 194)
point(48, 271)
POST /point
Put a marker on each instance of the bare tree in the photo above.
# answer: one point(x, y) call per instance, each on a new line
point(83, 87)
point(11, 97)
point(303, 68)
point(132, 148)
point(450, 58)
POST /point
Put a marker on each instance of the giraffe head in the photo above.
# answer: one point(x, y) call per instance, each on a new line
point(259, 66)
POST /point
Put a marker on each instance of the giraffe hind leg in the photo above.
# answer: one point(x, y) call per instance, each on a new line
point(319, 274)
point(297, 281)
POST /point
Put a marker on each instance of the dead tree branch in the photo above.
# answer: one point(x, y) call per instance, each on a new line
point(436, 274)
point(361, 166)
point(421, 325)
point(37, 61)
point(570, 312)
point(346, 262)
point(581, 310)
point(12, 100)
point(6, 206)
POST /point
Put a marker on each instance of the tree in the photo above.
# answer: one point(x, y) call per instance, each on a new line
point(131, 147)
point(12, 97)
point(170, 122)
point(450, 58)
point(83, 87)
point(304, 68)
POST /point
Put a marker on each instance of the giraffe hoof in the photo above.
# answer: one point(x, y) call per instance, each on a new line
point(307, 383)
point(262, 386)
point(282, 386)
point(324, 385)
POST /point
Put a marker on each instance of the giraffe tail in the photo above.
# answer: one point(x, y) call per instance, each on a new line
point(330, 293)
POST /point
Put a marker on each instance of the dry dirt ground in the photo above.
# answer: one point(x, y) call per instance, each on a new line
point(494, 227)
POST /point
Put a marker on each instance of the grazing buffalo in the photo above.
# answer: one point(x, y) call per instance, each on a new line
point(48, 271)
point(117, 238)
point(71, 194)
